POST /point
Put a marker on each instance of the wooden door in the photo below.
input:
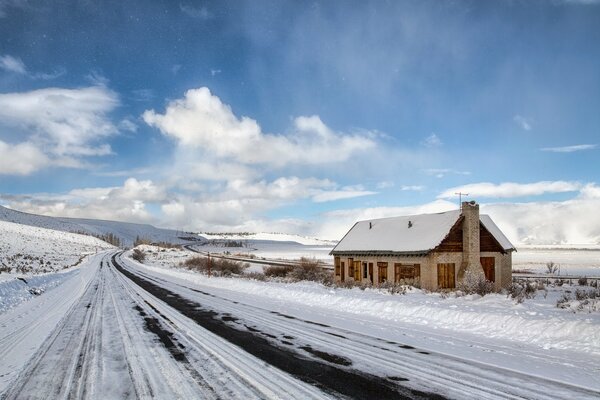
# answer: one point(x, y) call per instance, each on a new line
point(489, 264)
point(357, 271)
point(446, 276)
point(343, 269)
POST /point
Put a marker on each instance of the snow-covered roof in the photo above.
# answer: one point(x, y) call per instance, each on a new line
point(496, 232)
point(408, 234)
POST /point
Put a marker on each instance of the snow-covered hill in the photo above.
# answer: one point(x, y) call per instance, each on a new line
point(127, 232)
point(274, 237)
point(26, 249)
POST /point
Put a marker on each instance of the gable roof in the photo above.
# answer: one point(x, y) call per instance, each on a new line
point(394, 236)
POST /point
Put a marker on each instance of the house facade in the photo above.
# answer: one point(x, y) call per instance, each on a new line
point(438, 250)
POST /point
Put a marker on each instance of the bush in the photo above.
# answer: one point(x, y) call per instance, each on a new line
point(520, 291)
point(278, 271)
point(475, 283)
point(582, 281)
point(551, 267)
point(138, 255)
point(218, 266)
point(309, 270)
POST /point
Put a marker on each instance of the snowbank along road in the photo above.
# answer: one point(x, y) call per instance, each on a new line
point(135, 334)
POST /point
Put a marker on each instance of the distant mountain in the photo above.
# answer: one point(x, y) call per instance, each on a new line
point(127, 232)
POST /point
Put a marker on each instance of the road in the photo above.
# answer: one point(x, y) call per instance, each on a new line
point(134, 334)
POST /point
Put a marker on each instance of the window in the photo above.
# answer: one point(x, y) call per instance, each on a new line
point(343, 270)
point(406, 271)
point(446, 276)
point(382, 267)
point(365, 276)
point(336, 261)
point(357, 270)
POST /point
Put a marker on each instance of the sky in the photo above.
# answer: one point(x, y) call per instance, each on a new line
point(303, 117)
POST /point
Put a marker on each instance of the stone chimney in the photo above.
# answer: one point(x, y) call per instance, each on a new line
point(471, 252)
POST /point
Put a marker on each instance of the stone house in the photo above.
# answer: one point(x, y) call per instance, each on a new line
point(437, 249)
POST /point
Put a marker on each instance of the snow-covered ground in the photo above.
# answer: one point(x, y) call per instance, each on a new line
point(30, 250)
point(534, 337)
point(127, 232)
point(572, 261)
point(275, 237)
point(42, 258)
point(536, 321)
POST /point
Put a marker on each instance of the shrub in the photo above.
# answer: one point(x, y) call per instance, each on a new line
point(218, 266)
point(520, 291)
point(551, 267)
point(279, 271)
point(582, 281)
point(475, 283)
point(138, 255)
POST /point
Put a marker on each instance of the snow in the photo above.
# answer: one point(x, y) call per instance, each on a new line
point(534, 338)
point(26, 249)
point(275, 237)
point(575, 262)
point(536, 321)
point(126, 231)
point(23, 329)
point(408, 234)
point(496, 232)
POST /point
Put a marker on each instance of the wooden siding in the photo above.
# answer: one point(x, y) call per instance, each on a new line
point(487, 242)
point(453, 242)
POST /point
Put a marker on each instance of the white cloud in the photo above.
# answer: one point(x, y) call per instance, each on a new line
point(385, 185)
point(340, 194)
point(415, 188)
point(336, 223)
point(202, 121)
point(122, 203)
point(570, 149)
point(128, 125)
point(21, 159)
point(511, 189)
point(441, 172)
point(432, 141)
point(12, 64)
point(524, 122)
point(66, 123)
point(200, 13)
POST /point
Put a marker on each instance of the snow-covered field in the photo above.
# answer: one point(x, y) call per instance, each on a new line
point(127, 232)
point(578, 262)
point(275, 237)
point(26, 249)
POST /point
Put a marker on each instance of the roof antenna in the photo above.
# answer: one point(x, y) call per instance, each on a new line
point(370, 224)
point(460, 195)
point(410, 224)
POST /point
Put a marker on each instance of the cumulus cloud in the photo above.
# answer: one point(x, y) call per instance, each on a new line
point(12, 64)
point(200, 120)
point(21, 159)
point(122, 203)
point(511, 189)
point(570, 149)
point(66, 123)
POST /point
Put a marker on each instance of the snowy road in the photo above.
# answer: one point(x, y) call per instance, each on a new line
point(131, 333)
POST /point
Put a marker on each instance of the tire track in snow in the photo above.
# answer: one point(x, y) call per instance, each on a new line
point(344, 381)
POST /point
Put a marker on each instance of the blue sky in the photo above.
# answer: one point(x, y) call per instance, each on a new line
point(301, 116)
